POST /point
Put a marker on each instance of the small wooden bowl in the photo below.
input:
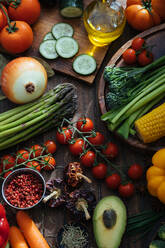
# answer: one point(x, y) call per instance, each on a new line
point(155, 37)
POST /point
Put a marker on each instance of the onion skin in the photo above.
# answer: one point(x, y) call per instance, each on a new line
point(18, 74)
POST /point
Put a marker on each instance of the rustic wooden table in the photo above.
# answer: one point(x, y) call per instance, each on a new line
point(50, 220)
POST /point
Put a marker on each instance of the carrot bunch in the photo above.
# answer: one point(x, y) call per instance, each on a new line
point(28, 234)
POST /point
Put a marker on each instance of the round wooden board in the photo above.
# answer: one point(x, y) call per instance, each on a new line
point(156, 38)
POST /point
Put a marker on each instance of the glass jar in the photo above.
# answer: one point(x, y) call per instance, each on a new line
point(104, 21)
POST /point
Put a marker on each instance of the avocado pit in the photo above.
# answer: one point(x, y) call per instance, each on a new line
point(109, 218)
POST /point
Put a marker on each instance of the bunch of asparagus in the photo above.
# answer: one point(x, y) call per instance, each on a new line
point(23, 122)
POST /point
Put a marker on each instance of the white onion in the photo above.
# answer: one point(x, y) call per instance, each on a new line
point(23, 80)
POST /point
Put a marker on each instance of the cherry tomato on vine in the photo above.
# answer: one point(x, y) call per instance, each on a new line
point(64, 135)
point(22, 155)
point(33, 165)
point(126, 190)
point(145, 58)
point(7, 161)
point(26, 10)
point(138, 43)
point(49, 163)
point(113, 181)
point(85, 125)
point(129, 56)
point(98, 140)
point(99, 171)
point(7, 173)
point(78, 147)
point(37, 151)
point(88, 159)
point(111, 150)
point(135, 171)
point(50, 146)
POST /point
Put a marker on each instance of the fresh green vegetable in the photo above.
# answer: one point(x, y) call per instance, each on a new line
point(109, 222)
point(141, 223)
point(24, 122)
point(84, 64)
point(48, 36)
point(157, 244)
point(66, 47)
point(161, 232)
point(48, 49)
point(62, 29)
point(71, 8)
point(133, 91)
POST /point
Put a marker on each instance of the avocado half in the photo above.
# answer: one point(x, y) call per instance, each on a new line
point(109, 222)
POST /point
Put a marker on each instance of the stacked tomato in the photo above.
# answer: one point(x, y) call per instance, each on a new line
point(138, 53)
point(37, 157)
point(89, 146)
point(16, 36)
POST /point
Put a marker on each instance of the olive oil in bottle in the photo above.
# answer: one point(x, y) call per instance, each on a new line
point(104, 21)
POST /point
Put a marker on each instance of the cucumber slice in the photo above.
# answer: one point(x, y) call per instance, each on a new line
point(71, 8)
point(62, 29)
point(48, 36)
point(48, 49)
point(84, 64)
point(67, 47)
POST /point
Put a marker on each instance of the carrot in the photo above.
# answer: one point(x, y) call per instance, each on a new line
point(31, 232)
point(16, 238)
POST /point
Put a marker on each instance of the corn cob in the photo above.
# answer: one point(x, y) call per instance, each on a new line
point(151, 126)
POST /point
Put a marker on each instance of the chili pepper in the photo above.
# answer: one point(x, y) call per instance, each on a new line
point(4, 227)
point(73, 175)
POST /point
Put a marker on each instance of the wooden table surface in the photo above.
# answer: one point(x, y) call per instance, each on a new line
point(50, 220)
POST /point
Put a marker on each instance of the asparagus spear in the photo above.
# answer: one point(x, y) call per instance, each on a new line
point(64, 105)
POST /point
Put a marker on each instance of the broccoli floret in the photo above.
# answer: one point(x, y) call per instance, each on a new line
point(157, 244)
point(161, 232)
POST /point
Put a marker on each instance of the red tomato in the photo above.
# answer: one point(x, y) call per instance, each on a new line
point(78, 147)
point(22, 156)
point(138, 43)
point(33, 165)
point(99, 171)
point(50, 146)
point(3, 19)
point(49, 163)
point(85, 125)
point(126, 190)
point(37, 151)
point(88, 159)
point(97, 140)
point(7, 161)
point(64, 135)
point(145, 58)
point(113, 181)
point(111, 150)
point(135, 171)
point(19, 40)
point(27, 10)
point(129, 56)
point(7, 173)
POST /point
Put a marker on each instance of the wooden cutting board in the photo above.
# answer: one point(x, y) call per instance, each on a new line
point(50, 16)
